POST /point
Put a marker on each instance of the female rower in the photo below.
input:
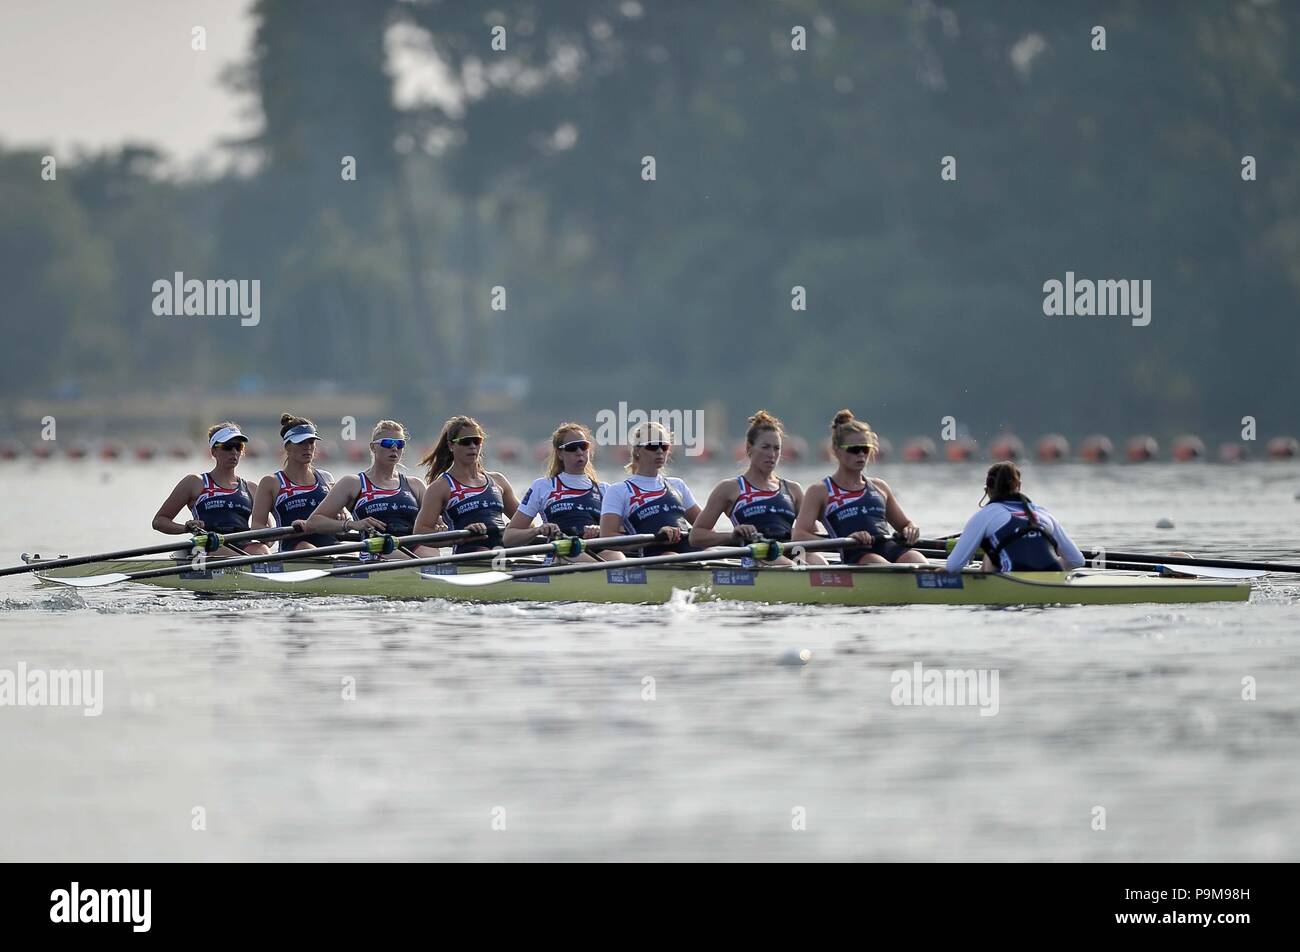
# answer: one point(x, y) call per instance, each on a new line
point(293, 493)
point(462, 494)
point(758, 502)
point(1015, 534)
point(647, 501)
point(381, 499)
point(219, 500)
point(568, 498)
point(856, 506)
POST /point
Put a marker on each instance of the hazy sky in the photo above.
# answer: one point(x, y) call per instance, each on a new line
point(101, 72)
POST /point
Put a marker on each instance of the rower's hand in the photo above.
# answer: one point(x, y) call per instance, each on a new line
point(477, 528)
point(300, 525)
point(591, 531)
point(910, 533)
point(368, 524)
point(746, 533)
point(863, 538)
point(194, 526)
point(669, 534)
point(549, 530)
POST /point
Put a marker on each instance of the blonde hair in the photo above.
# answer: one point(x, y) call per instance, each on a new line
point(643, 433)
point(388, 425)
point(845, 422)
point(553, 464)
point(439, 459)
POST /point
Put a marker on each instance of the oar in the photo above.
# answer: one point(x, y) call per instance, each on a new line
point(1140, 559)
point(377, 544)
point(558, 547)
point(1198, 571)
point(759, 550)
point(207, 541)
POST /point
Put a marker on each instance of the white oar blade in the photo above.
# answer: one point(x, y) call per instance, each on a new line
point(1210, 571)
point(470, 581)
point(287, 578)
point(85, 581)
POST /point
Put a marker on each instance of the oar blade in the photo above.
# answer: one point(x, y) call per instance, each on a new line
point(85, 581)
point(474, 580)
point(1210, 571)
point(288, 578)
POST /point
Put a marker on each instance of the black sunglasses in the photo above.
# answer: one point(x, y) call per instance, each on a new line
point(572, 445)
point(468, 440)
point(861, 448)
point(655, 447)
point(232, 445)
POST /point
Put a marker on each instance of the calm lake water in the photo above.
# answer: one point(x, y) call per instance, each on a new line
point(536, 718)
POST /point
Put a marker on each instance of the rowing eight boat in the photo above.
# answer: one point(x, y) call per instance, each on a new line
point(836, 585)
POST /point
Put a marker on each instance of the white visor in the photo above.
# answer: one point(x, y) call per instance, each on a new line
point(225, 435)
point(301, 434)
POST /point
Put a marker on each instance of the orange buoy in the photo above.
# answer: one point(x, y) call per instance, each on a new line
point(885, 449)
point(919, 449)
point(1052, 448)
point(1232, 452)
point(1006, 446)
point(1096, 449)
point(77, 450)
point(146, 451)
point(961, 450)
point(509, 449)
point(1141, 449)
point(1283, 447)
point(44, 449)
point(794, 448)
point(10, 449)
point(180, 451)
point(1187, 448)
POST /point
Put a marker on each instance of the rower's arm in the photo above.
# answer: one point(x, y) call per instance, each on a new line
point(810, 510)
point(519, 530)
point(1071, 557)
point(893, 511)
point(971, 537)
point(703, 526)
point(508, 499)
point(263, 500)
point(327, 519)
point(164, 519)
point(611, 524)
point(429, 518)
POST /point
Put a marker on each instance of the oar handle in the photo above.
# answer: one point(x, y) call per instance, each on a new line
point(539, 549)
point(673, 558)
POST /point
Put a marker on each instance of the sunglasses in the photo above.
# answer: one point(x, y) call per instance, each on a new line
point(861, 448)
point(468, 441)
point(656, 447)
point(236, 445)
point(572, 445)
point(390, 444)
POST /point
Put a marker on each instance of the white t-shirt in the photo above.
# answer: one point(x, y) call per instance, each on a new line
point(618, 497)
point(541, 489)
